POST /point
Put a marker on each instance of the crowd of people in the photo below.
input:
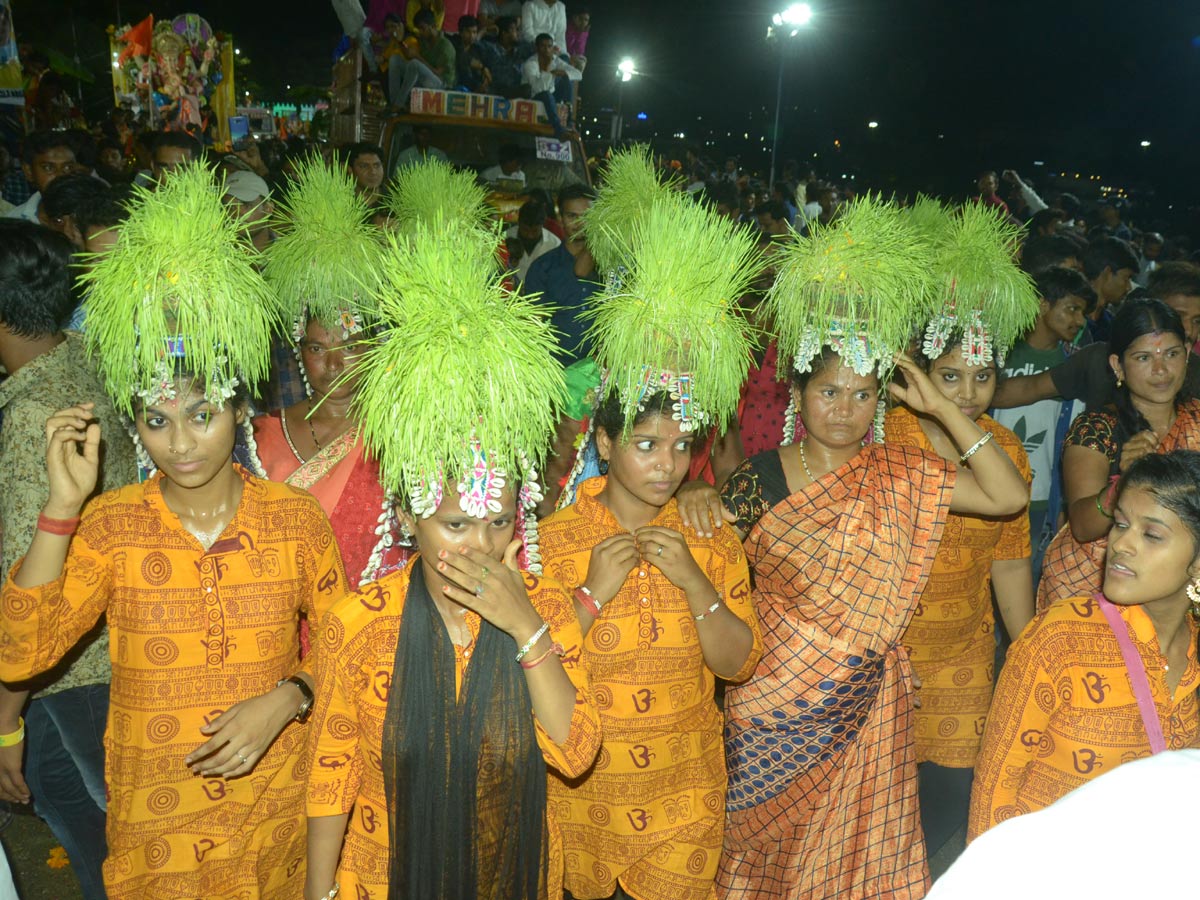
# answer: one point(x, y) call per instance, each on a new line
point(668, 541)
point(536, 49)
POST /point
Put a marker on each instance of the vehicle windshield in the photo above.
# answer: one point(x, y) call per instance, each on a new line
point(478, 148)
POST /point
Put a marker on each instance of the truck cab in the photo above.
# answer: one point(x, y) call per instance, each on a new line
point(469, 128)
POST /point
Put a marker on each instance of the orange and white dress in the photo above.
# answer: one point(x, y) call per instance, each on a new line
point(951, 639)
point(1065, 710)
point(651, 813)
point(191, 632)
point(356, 653)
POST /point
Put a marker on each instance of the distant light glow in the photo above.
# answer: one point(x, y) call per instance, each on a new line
point(237, 51)
point(1145, 143)
point(642, 116)
point(872, 124)
point(626, 69)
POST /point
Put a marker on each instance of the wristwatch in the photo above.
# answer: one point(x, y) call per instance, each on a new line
point(305, 707)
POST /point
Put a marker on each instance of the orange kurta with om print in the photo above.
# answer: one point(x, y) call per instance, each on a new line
point(191, 633)
point(951, 640)
point(1065, 711)
point(355, 662)
point(1073, 569)
point(651, 811)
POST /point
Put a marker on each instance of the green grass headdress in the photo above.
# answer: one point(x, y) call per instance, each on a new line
point(630, 186)
point(179, 285)
point(325, 262)
point(978, 289)
point(673, 321)
point(434, 191)
point(461, 386)
point(856, 285)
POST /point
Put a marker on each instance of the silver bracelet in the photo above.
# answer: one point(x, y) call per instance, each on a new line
point(987, 436)
point(533, 640)
point(333, 892)
point(708, 612)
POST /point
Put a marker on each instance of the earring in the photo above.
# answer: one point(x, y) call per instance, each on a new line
point(406, 535)
point(1193, 594)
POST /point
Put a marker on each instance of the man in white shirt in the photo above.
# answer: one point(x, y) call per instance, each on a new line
point(509, 170)
point(548, 17)
point(529, 239)
point(550, 80)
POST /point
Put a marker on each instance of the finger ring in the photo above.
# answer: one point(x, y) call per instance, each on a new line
point(242, 757)
point(485, 572)
point(479, 589)
point(659, 551)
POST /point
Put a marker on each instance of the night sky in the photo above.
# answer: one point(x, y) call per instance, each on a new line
point(1075, 85)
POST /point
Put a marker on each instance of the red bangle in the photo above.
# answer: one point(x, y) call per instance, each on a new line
point(63, 527)
point(556, 648)
point(587, 601)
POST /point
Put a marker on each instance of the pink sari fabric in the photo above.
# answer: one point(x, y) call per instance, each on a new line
point(345, 481)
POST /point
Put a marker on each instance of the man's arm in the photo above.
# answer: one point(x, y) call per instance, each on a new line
point(1022, 390)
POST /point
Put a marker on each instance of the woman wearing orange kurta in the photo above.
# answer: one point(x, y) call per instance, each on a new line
point(453, 684)
point(1149, 357)
point(951, 640)
point(1097, 681)
point(675, 612)
point(202, 572)
point(355, 677)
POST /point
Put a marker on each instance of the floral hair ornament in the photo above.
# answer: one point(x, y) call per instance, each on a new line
point(978, 291)
point(854, 285)
point(459, 388)
point(673, 324)
point(178, 291)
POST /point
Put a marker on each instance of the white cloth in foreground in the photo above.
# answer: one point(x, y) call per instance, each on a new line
point(1129, 833)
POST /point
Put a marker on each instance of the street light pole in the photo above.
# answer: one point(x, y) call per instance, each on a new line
point(775, 133)
point(626, 69)
point(784, 25)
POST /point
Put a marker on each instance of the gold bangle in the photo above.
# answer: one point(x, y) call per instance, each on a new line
point(15, 737)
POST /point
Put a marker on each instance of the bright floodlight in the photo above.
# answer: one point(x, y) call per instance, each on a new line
point(872, 124)
point(794, 15)
point(626, 69)
point(1145, 143)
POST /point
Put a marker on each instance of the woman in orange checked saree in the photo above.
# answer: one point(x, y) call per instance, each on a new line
point(841, 531)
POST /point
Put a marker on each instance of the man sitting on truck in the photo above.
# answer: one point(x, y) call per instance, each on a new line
point(472, 58)
point(431, 66)
point(549, 78)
